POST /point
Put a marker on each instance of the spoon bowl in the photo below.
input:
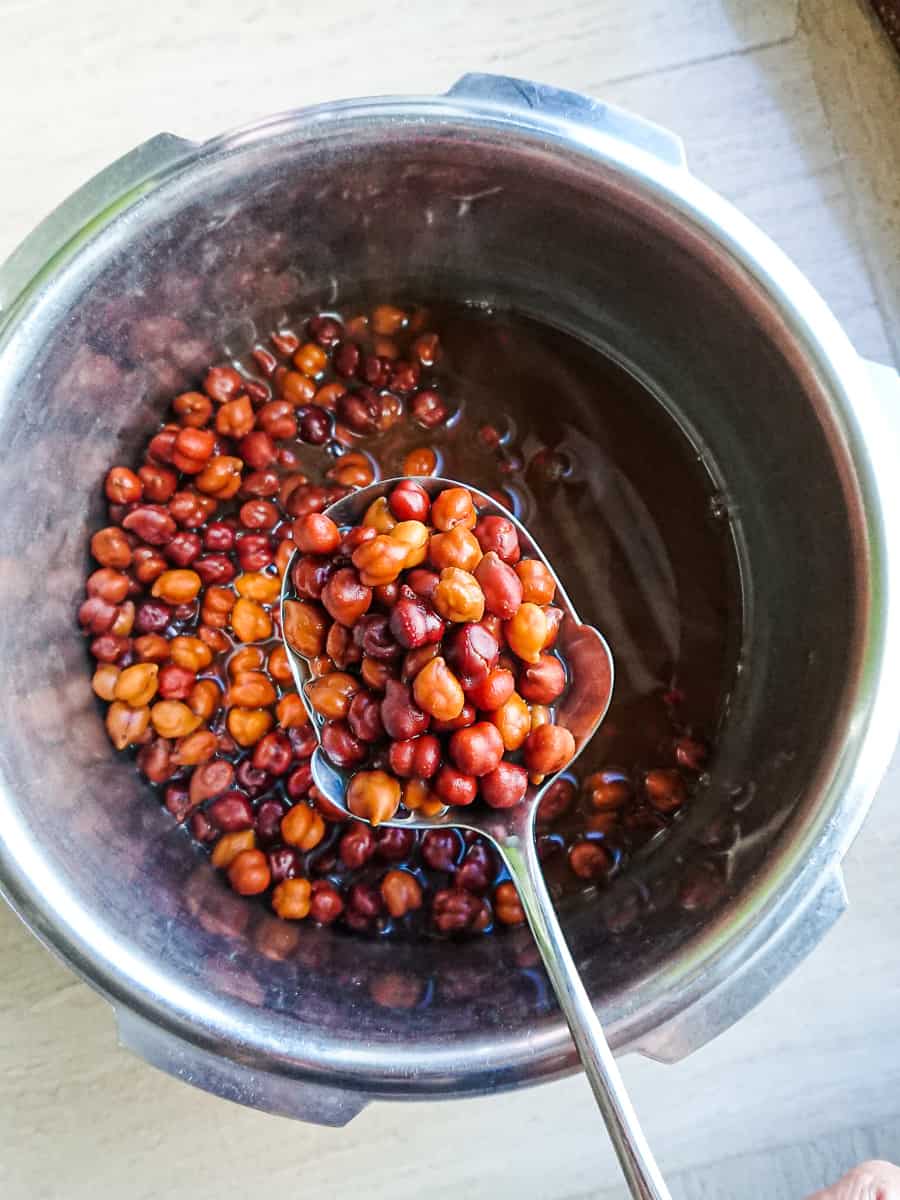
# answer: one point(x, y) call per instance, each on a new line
point(581, 710)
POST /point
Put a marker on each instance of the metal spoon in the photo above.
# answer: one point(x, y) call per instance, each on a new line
point(512, 832)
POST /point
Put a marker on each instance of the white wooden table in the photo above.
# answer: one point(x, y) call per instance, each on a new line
point(790, 108)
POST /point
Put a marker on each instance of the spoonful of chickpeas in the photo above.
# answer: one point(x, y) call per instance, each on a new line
point(449, 681)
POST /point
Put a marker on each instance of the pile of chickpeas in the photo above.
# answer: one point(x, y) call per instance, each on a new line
point(402, 619)
point(182, 621)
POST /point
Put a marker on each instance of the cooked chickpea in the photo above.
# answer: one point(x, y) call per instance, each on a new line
point(303, 827)
point(230, 845)
point(151, 647)
point(513, 720)
point(507, 906)
point(373, 795)
point(190, 652)
point(253, 585)
point(387, 320)
point(248, 725)
point(413, 535)
point(248, 873)
point(251, 689)
point(278, 665)
point(401, 892)
point(458, 547)
point(311, 359)
point(421, 461)
point(549, 748)
point(204, 698)
point(173, 719)
point(247, 659)
point(453, 506)
point(137, 685)
point(126, 725)
point(458, 596)
point(292, 899)
point(250, 622)
point(380, 560)
point(331, 695)
point(526, 632)
point(379, 517)
point(290, 712)
point(538, 586)
point(104, 681)
point(177, 587)
point(195, 749)
point(608, 790)
point(437, 691)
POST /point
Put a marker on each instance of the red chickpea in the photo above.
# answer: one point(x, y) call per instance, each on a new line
point(589, 860)
point(401, 717)
point(502, 588)
point(665, 790)
point(505, 786)
point(549, 748)
point(123, 486)
point(498, 535)
point(493, 691)
point(478, 749)
point(507, 906)
point(409, 501)
point(542, 682)
point(417, 757)
point(346, 597)
point(451, 507)
point(315, 533)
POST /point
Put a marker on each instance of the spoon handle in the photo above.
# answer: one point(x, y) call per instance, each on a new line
point(635, 1157)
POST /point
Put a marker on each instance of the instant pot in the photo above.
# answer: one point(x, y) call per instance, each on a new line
point(503, 193)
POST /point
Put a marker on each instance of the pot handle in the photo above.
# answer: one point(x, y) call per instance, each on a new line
point(282, 1095)
point(742, 990)
point(523, 97)
point(103, 197)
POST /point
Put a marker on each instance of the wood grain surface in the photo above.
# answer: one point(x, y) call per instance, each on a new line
point(789, 108)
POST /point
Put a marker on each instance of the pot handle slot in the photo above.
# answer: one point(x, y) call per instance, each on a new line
point(524, 98)
point(774, 959)
point(96, 202)
point(279, 1094)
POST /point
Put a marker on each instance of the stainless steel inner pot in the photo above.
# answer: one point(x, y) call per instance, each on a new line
point(506, 193)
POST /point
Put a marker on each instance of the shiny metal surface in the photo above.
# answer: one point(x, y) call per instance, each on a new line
point(512, 831)
point(504, 193)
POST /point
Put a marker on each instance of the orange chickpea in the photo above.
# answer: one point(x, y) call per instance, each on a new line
point(413, 535)
point(177, 587)
point(253, 585)
point(513, 720)
point(124, 621)
point(297, 388)
point(230, 845)
point(204, 699)
point(283, 555)
point(540, 715)
point(111, 548)
point(331, 695)
point(320, 665)
point(422, 461)
point(387, 321)
point(426, 348)
point(438, 692)
point(352, 470)
point(104, 681)
point(303, 827)
point(457, 548)
point(137, 685)
point(215, 639)
point(248, 873)
point(235, 418)
point(549, 748)
point(216, 605)
point(250, 622)
point(193, 409)
point(458, 596)
point(198, 747)
point(418, 797)
point(248, 658)
point(311, 359)
point(126, 725)
point(379, 516)
point(290, 711)
point(665, 789)
point(251, 689)
point(373, 795)
point(173, 719)
point(292, 899)
point(190, 652)
point(248, 725)
point(305, 627)
point(279, 667)
point(401, 892)
point(507, 906)
point(538, 586)
point(328, 395)
point(526, 632)
point(151, 647)
point(380, 560)
point(454, 506)
point(375, 674)
point(221, 477)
